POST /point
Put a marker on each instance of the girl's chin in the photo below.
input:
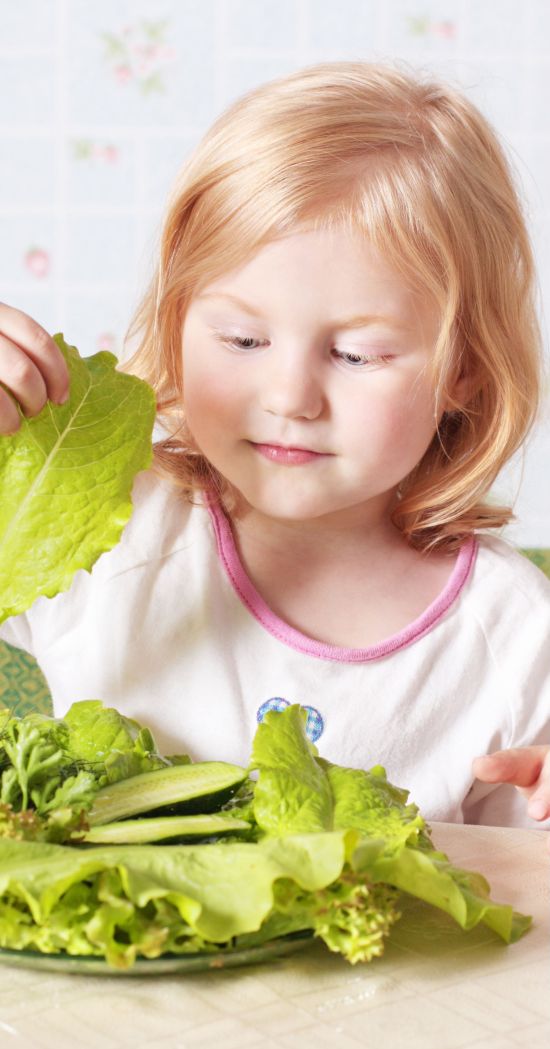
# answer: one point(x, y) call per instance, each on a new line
point(287, 506)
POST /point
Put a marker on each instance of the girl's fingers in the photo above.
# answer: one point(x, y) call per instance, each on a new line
point(21, 377)
point(527, 768)
point(521, 766)
point(9, 416)
point(35, 343)
point(538, 807)
point(539, 802)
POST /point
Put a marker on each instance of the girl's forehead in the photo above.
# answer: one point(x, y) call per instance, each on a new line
point(325, 256)
point(331, 270)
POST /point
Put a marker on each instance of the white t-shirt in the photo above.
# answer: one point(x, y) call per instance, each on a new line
point(169, 629)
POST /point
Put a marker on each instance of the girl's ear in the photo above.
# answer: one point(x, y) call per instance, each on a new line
point(462, 389)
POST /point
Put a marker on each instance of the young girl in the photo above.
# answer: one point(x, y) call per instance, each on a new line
point(343, 341)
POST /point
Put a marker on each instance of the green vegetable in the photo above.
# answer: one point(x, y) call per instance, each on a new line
point(296, 789)
point(164, 828)
point(114, 746)
point(66, 478)
point(335, 851)
point(211, 781)
point(51, 769)
point(42, 792)
point(128, 900)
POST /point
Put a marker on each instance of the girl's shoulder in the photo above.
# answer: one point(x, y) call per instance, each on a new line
point(505, 611)
point(163, 521)
point(500, 560)
point(507, 591)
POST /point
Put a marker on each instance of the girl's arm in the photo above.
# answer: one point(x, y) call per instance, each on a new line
point(32, 368)
point(527, 768)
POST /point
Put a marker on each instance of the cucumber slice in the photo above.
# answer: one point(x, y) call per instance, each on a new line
point(176, 785)
point(137, 832)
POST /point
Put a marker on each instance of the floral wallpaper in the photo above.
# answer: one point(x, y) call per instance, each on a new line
point(101, 102)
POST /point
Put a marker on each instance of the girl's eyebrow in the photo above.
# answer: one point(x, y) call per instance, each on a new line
point(360, 321)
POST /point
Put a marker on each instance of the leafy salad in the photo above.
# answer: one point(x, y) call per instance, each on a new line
point(227, 857)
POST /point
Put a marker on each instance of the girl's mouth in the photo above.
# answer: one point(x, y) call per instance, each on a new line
point(287, 456)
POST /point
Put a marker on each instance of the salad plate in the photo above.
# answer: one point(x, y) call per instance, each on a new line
point(167, 963)
point(311, 846)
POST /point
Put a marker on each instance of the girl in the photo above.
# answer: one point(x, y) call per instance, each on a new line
point(343, 341)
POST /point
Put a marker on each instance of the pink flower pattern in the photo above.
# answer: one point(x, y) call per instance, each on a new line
point(37, 261)
point(84, 149)
point(138, 53)
point(106, 341)
point(422, 25)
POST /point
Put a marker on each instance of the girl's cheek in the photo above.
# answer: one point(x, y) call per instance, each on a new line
point(210, 400)
point(214, 393)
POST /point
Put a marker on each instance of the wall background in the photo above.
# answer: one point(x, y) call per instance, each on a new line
point(101, 102)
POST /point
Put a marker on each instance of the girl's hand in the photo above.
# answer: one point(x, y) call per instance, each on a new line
point(528, 768)
point(32, 368)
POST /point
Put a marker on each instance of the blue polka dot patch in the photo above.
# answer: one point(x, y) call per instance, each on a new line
point(276, 703)
point(314, 724)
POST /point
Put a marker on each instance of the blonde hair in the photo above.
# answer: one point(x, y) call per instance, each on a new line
point(412, 164)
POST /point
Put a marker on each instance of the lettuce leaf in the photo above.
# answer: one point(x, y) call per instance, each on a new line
point(395, 848)
point(113, 746)
point(129, 901)
point(52, 768)
point(299, 791)
point(126, 901)
point(430, 876)
point(66, 478)
point(292, 793)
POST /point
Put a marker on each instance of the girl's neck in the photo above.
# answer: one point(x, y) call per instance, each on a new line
point(341, 583)
point(356, 533)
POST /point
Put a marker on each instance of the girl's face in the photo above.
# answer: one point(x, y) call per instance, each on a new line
point(315, 344)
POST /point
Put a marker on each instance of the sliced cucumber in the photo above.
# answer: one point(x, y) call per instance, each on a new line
point(136, 832)
point(177, 786)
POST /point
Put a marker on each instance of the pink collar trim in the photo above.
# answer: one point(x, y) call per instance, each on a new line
point(250, 597)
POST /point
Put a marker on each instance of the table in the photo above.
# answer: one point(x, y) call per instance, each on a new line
point(449, 990)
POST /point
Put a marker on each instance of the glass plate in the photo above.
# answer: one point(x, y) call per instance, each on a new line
point(168, 963)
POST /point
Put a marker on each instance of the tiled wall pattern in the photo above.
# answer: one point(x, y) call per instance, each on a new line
point(101, 101)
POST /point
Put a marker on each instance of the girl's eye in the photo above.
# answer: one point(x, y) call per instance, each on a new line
point(355, 360)
point(360, 360)
point(237, 341)
point(243, 344)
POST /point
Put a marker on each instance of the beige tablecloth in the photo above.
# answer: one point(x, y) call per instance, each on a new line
point(445, 990)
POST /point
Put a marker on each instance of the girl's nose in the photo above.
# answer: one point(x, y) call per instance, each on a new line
point(292, 389)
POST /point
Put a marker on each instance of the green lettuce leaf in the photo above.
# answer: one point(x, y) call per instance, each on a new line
point(121, 901)
point(430, 876)
point(66, 478)
point(113, 746)
point(366, 801)
point(297, 791)
point(296, 786)
point(52, 768)
point(292, 793)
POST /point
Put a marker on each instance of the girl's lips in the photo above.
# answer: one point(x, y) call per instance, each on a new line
point(289, 456)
